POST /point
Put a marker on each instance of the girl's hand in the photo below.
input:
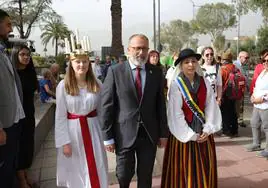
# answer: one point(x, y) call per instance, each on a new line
point(67, 150)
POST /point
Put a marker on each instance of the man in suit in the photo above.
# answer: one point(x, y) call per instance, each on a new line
point(11, 110)
point(133, 114)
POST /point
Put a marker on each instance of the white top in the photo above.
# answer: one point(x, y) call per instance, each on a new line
point(214, 78)
point(176, 119)
point(261, 89)
point(96, 68)
point(169, 74)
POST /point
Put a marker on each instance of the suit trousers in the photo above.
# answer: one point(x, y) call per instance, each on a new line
point(145, 153)
point(8, 156)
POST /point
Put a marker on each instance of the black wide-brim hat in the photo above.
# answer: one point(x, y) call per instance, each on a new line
point(185, 54)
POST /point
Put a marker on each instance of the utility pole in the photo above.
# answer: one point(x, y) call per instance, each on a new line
point(193, 7)
point(159, 48)
point(154, 20)
point(238, 27)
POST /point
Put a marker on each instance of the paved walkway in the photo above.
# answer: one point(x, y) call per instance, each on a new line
point(236, 167)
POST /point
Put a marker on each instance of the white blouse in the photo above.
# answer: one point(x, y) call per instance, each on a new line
point(176, 118)
point(261, 89)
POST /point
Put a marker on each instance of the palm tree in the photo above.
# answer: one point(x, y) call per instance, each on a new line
point(116, 12)
point(54, 30)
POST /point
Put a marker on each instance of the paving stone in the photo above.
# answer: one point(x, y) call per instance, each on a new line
point(40, 154)
point(51, 152)
point(37, 163)
point(49, 144)
point(49, 162)
point(34, 175)
point(49, 184)
point(50, 137)
point(48, 173)
point(111, 161)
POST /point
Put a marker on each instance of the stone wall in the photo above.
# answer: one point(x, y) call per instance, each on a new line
point(45, 120)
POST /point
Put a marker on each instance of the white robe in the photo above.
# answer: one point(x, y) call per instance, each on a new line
point(73, 172)
point(176, 119)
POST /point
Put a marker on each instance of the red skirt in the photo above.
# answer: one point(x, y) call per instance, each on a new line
point(190, 165)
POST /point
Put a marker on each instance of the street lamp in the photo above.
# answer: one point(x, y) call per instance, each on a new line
point(238, 27)
point(154, 18)
point(193, 6)
point(159, 47)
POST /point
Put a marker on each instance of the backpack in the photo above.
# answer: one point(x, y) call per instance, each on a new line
point(235, 85)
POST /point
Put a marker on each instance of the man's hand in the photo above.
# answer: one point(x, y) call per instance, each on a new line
point(202, 138)
point(256, 100)
point(67, 150)
point(3, 137)
point(162, 142)
point(110, 148)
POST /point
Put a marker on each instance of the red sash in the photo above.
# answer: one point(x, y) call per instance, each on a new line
point(91, 164)
point(201, 96)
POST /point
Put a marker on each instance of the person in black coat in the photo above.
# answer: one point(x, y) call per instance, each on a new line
point(21, 58)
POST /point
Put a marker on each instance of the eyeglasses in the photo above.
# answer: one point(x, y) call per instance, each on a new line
point(210, 54)
point(138, 49)
point(265, 61)
point(246, 57)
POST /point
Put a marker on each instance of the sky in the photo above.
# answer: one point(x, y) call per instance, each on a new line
point(93, 18)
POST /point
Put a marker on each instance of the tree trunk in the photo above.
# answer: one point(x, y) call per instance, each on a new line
point(116, 12)
point(21, 20)
point(56, 47)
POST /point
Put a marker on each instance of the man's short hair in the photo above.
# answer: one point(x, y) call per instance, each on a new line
point(138, 35)
point(3, 15)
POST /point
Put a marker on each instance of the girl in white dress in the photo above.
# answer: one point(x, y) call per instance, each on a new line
point(81, 158)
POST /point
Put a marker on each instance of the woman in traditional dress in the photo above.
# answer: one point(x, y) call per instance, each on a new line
point(21, 57)
point(193, 115)
point(81, 158)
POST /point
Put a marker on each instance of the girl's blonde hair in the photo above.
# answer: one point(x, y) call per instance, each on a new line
point(71, 85)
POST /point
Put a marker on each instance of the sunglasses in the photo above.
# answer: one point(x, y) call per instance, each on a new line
point(210, 54)
point(265, 61)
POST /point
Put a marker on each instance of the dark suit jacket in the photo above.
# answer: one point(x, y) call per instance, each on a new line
point(120, 107)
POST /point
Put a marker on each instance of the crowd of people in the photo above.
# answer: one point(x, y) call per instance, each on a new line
point(129, 108)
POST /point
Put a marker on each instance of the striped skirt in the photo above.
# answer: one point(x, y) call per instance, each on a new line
point(190, 165)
